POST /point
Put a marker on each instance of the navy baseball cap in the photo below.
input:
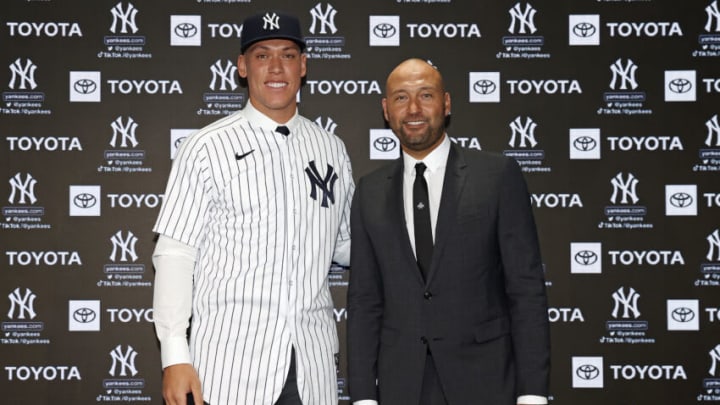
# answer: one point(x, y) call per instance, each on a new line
point(270, 25)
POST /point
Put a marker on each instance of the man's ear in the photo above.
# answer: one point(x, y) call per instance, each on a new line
point(303, 64)
point(447, 104)
point(242, 68)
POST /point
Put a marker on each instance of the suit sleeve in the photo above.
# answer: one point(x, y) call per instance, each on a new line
point(365, 306)
point(524, 283)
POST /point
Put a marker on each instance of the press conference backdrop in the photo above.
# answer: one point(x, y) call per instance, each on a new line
point(610, 107)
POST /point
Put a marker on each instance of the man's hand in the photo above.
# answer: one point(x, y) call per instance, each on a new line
point(178, 381)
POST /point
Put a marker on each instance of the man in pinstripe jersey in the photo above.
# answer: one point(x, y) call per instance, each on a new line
point(256, 207)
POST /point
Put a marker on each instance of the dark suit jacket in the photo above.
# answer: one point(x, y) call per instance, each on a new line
point(482, 311)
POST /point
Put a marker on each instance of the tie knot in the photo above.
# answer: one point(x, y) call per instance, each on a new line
point(283, 130)
point(420, 169)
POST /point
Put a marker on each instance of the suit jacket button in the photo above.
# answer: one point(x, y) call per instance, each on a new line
point(423, 339)
point(428, 295)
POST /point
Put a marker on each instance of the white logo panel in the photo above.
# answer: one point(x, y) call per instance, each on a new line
point(680, 85)
point(384, 30)
point(384, 145)
point(85, 201)
point(584, 29)
point(585, 257)
point(484, 87)
point(681, 200)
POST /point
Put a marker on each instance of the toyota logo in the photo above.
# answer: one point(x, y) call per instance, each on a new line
point(587, 372)
point(586, 257)
point(384, 30)
point(584, 29)
point(185, 30)
point(484, 87)
point(680, 85)
point(584, 143)
point(84, 315)
point(84, 200)
point(681, 200)
point(682, 314)
point(384, 144)
point(85, 86)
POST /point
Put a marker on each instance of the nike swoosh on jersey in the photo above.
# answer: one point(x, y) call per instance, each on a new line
point(241, 157)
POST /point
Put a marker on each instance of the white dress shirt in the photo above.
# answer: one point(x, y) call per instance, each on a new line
point(435, 161)
point(249, 204)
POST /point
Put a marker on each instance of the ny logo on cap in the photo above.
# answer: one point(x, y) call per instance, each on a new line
point(270, 21)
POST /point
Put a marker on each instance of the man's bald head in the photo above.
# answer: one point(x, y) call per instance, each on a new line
point(415, 67)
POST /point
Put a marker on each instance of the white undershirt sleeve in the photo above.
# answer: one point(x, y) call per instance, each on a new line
point(172, 298)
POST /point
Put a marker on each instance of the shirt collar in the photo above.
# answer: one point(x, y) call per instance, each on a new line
point(257, 118)
point(434, 161)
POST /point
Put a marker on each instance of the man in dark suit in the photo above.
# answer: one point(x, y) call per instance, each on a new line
point(449, 309)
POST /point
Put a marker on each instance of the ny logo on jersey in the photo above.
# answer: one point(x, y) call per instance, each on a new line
point(326, 184)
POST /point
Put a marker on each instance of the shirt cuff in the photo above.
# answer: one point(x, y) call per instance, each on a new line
point(366, 402)
point(532, 400)
point(174, 350)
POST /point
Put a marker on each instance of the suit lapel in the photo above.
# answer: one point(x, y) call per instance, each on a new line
point(455, 175)
point(396, 214)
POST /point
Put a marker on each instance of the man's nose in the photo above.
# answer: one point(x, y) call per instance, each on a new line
point(275, 64)
point(413, 105)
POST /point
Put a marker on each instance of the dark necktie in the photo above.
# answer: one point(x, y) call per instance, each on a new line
point(283, 130)
point(423, 229)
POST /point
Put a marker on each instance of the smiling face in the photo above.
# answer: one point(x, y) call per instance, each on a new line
point(274, 70)
point(415, 106)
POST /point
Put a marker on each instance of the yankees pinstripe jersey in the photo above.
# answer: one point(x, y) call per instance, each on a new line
point(267, 214)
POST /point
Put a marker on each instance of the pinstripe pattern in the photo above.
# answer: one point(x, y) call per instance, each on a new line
point(265, 247)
